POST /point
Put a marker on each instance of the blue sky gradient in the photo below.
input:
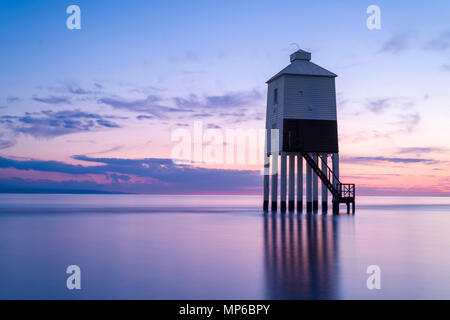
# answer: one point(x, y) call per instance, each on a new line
point(137, 70)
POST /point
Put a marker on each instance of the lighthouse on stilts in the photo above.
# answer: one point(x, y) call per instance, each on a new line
point(301, 120)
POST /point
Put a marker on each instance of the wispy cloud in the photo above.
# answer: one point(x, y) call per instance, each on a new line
point(407, 40)
point(119, 177)
point(420, 150)
point(4, 144)
point(203, 115)
point(403, 124)
point(78, 90)
point(398, 43)
point(73, 88)
point(151, 105)
point(388, 159)
point(143, 117)
point(116, 148)
point(188, 55)
point(236, 99)
point(379, 105)
point(397, 115)
point(440, 43)
point(408, 122)
point(12, 99)
point(50, 123)
point(192, 106)
point(54, 100)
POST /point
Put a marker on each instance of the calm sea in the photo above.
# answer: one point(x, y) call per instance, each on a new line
point(220, 247)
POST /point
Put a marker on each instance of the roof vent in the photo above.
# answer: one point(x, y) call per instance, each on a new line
point(300, 55)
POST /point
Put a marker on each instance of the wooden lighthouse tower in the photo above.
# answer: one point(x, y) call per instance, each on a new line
point(301, 104)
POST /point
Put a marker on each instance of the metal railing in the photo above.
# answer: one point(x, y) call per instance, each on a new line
point(347, 190)
point(342, 191)
point(330, 175)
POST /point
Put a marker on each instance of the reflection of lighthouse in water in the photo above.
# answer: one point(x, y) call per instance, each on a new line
point(301, 255)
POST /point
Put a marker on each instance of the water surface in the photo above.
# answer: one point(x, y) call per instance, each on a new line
point(220, 247)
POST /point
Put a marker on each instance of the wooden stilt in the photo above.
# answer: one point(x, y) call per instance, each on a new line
point(266, 173)
point(299, 183)
point(335, 206)
point(274, 181)
point(283, 182)
point(324, 187)
point(315, 187)
point(308, 188)
point(291, 202)
point(266, 186)
point(335, 164)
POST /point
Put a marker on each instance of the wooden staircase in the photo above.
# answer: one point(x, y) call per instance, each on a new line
point(342, 192)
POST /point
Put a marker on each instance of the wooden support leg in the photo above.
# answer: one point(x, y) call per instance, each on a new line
point(324, 187)
point(291, 204)
point(308, 188)
point(274, 181)
point(335, 207)
point(299, 183)
point(266, 186)
point(315, 186)
point(283, 182)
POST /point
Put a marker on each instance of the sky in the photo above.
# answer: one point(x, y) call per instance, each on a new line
point(95, 109)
